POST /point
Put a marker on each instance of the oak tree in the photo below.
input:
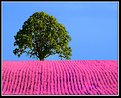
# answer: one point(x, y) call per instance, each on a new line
point(41, 36)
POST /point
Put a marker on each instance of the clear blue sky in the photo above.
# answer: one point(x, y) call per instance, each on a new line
point(93, 27)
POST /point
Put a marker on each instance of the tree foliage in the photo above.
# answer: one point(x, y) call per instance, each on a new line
point(41, 36)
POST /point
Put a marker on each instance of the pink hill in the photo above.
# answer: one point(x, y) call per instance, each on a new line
point(66, 77)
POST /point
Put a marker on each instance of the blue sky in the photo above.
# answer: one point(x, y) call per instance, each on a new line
point(93, 27)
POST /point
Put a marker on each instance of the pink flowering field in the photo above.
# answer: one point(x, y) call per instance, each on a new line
point(64, 77)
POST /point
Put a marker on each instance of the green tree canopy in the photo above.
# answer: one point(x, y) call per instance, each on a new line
point(41, 36)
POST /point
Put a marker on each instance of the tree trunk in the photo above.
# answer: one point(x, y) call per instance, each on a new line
point(40, 56)
point(41, 59)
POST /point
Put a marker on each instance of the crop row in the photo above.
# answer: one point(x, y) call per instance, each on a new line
point(81, 77)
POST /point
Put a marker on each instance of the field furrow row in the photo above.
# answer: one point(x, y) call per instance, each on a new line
point(81, 77)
